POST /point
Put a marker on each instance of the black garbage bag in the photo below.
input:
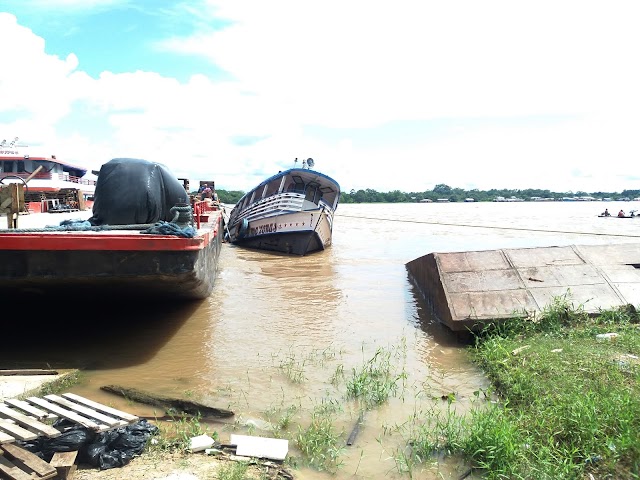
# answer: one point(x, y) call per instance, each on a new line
point(110, 449)
point(132, 191)
point(69, 441)
point(104, 457)
point(91, 454)
point(116, 448)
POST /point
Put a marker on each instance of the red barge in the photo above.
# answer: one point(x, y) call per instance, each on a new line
point(162, 245)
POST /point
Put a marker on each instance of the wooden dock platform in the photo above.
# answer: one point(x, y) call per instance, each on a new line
point(470, 289)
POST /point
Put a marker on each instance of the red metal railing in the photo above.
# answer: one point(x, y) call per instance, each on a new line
point(201, 208)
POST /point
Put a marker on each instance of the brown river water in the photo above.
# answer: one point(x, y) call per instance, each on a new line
point(278, 330)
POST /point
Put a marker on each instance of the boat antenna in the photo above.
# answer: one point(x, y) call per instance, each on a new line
point(2, 143)
point(13, 142)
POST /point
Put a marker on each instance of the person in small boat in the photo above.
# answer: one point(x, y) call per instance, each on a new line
point(606, 213)
point(621, 213)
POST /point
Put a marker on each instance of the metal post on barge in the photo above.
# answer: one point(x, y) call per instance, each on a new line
point(11, 202)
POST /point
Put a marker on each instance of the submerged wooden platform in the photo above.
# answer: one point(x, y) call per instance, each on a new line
point(469, 289)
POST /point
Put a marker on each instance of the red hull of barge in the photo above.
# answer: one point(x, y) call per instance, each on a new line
point(118, 262)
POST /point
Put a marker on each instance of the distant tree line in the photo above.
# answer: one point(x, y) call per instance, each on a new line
point(445, 192)
point(442, 191)
point(229, 197)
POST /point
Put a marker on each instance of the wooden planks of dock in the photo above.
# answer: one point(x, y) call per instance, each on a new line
point(31, 418)
point(470, 289)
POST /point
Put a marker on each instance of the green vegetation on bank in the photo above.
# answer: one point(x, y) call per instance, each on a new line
point(230, 197)
point(569, 401)
point(443, 191)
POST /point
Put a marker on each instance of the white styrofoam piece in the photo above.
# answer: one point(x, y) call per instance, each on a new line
point(249, 446)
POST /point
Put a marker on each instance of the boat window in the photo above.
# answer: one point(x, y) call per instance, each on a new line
point(328, 194)
point(272, 188)
point(298, 184)
point(46, 166)
point(311, 190)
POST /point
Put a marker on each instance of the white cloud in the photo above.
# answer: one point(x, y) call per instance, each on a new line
point(358, 64)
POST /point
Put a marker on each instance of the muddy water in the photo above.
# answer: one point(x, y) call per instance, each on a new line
point(284, 333)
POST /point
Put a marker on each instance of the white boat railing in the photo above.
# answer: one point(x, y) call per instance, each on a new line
point(50, 176)
point(285, 202)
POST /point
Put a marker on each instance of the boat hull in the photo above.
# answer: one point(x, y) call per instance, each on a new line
point(115, 263)
point(297, 233)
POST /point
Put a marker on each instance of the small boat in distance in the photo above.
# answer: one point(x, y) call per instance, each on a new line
point(290, 212)
point(621, 214)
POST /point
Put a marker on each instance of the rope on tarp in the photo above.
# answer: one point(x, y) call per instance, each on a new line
point(181, 225)
point(168, 228)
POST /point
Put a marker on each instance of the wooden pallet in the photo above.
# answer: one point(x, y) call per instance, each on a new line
point(31, 418)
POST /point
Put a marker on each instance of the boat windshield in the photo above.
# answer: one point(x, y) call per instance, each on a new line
point(296, 185)
point(312, 192)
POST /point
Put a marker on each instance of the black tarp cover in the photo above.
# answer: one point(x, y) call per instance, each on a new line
point(135, 191)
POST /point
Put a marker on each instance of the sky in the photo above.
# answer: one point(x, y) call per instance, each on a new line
point(388, 95)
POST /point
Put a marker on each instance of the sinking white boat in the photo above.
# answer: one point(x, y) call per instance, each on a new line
point(291, 212)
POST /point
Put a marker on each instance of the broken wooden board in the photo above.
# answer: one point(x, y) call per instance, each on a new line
point(17, 464)
point(15, 431)
point(28, 422)
point(27, 371)
point(177, 404)
point(64, 463)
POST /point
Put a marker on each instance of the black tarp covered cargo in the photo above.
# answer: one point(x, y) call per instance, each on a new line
point(135, 191)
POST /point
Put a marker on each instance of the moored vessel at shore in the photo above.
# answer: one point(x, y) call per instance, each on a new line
point(146, 238)
point(290, 212)
point(47, 180)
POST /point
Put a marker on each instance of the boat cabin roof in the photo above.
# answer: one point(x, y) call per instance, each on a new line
point(297, 180)
point(21, 153)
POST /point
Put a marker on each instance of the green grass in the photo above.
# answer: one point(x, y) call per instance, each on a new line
point(376, 380)
point(176, 435)
point(320, 443)
point(57, 386)
point(233, 471)
point(569, 403)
